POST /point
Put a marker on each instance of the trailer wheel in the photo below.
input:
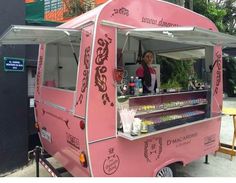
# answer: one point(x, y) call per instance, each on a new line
point(167, 171)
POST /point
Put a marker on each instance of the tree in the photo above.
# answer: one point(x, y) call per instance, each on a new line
point(229, 63)
point(221, 12)
point(77, 7)
point(230, 76)
point(73, 7)
point(229, 19)
point(212, 10)
point(180, 2)
point(174, 73)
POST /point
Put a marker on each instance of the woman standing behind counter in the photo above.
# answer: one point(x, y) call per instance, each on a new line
point(147, 73)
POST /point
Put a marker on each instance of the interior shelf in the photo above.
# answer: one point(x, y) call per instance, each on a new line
point(168, 109)
point(162, 114)
point(166, 94)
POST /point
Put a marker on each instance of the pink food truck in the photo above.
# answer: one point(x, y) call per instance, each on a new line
point(85, 115)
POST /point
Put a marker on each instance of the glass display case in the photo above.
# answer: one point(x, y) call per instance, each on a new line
point(162, 112)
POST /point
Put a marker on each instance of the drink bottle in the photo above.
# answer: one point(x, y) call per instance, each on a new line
point(140, 87)
point(136, 88)
point(131, 86)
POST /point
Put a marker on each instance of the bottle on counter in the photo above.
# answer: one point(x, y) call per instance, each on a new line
point(136, 88)
point(131, 86)
point(140, 87)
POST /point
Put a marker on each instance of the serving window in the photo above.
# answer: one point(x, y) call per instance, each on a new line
point(60, 68)
point(175, 103)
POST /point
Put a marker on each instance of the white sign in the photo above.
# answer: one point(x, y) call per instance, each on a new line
point(31, 102)
point(46, 135)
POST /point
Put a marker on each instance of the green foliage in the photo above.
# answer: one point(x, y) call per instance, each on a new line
point(222, 13)
point(174, 73)
point(170, 84)
point(212, 11)
point(229, 19)
point(230, 74)
point(74, 7)
point(77, 7)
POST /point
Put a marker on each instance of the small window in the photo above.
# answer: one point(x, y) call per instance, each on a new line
point(52, 5)
point(60, 68)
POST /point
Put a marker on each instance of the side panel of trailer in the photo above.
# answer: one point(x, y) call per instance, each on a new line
point(61, 106)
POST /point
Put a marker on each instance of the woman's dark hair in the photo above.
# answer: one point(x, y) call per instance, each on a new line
point(146, 73)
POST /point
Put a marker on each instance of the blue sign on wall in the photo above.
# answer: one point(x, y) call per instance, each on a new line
point(14, 64)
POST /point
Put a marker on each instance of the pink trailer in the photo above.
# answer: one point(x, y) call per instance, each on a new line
point(77, 103)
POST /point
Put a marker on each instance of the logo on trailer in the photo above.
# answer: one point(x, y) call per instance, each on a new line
point(40, 65)
point(101, 69)
point(210, 142)
point(218, 72)
point(160, 23)
point(111, 163)
point(70, 139)
point(85, 74)
point(121, 11)
point(182, 140)
point(152, 149)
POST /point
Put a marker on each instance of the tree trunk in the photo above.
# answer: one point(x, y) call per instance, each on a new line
point(180, 2)
point(191, 4)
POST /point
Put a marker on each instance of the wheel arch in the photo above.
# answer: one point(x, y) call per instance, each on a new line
point(168, 163)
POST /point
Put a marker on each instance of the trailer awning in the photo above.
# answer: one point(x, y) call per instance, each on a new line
point(24, 34)
point(186, 35)
point(186, 54)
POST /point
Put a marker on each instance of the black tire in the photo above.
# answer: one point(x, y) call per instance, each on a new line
point(167, 171)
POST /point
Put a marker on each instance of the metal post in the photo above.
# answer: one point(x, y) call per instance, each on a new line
point(206, 160)
point(37, 154)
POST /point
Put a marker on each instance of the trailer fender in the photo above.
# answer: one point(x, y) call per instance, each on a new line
point(168, 164)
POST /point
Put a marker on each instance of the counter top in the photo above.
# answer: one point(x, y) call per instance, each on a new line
point(162, 94)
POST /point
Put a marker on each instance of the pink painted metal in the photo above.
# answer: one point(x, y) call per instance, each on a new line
point(59, 112)
point(121, 157)
point(217, 82)
point(83, 73)
point(100, 118)
point(39, 76)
